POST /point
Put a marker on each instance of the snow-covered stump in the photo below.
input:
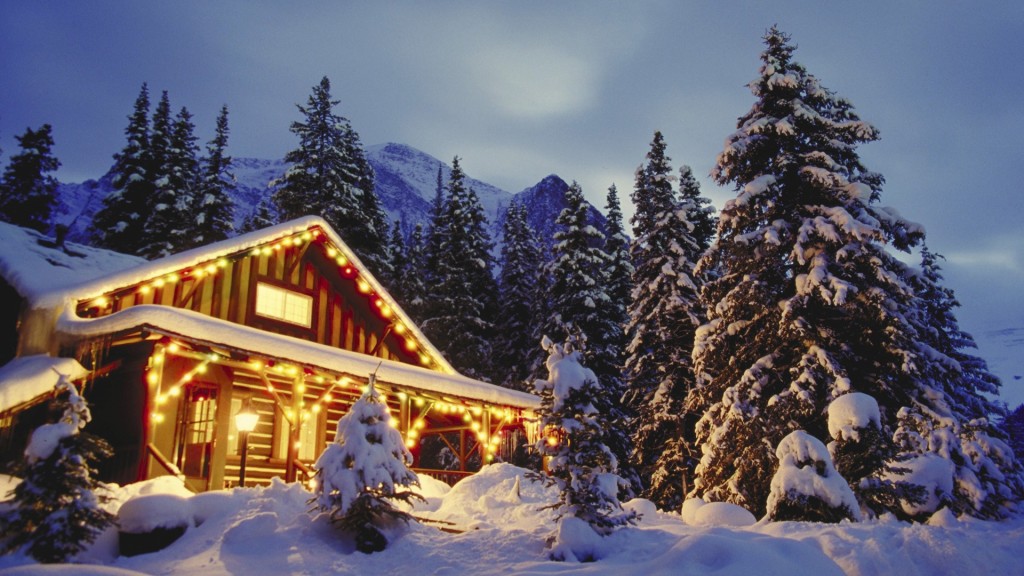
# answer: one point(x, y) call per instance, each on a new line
point(806, 486)
point(359, 474)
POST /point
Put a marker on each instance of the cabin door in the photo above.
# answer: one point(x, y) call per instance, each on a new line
point(197, 429)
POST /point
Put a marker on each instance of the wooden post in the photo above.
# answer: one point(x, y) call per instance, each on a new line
point(295, 432)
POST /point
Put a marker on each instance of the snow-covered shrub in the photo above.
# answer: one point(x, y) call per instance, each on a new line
point(866, 457)
point(806, 485)
point(359, 474)
point(579, 460)
point(58, 507)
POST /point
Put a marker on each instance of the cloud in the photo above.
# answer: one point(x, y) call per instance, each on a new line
point(1004, 253)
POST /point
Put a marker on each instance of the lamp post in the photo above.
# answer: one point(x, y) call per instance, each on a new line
point(245, 422)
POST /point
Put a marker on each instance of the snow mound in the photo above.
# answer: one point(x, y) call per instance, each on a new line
point(576, 541)
point(151, 511)
point(498, 495)
point(642, 507)
point(723, 514)
point(689, 511)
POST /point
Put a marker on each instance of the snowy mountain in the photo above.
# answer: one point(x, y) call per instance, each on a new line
point(406, 181)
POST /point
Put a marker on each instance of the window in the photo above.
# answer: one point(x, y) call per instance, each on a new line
point(286, 305)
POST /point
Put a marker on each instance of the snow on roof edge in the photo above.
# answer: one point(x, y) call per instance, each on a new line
point(26, 378)
point(190, 258)
point(215, 330)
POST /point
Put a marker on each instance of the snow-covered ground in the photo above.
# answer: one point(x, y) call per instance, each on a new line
point(491, 524)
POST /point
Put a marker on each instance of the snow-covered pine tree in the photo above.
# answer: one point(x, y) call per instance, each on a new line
point(460, 317)
point(576, 440)
point(214, 208)
point(580, 306)
point(400, 264)
point(808, 303)
point(363, 471)
point(28, 192)
point(58, 506)
point(516, 334)
point(261, 217)
point(330, 177)
point(953, 414)
point(619, 269)
point(409, 277)
point(663, 318)
point(119, 223)
point(1013, 424)
point(171, 223)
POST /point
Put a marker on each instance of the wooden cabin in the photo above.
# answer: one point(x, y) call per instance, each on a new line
point(286, 320)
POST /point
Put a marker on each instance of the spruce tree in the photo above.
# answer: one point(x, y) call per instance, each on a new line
point(663, 319)
point(577, 437)
point(170, 227)
point(460, 317)
point(808, 303)
point(119, 223)
point(28, 192)
point(260, 218)
point(361, 474)
point(619, 270)
point(581, 307)
point(330, 177)
point(410, 277)
point(58, 506)
point(516, 335)
point(214, 208)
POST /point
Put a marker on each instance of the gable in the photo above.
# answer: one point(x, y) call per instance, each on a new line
point(300, 266)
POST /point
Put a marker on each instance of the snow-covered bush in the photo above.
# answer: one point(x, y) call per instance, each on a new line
point(866, 457)
point(579, 460)
point(806, 485)
point(58, 507)
point(360, 473)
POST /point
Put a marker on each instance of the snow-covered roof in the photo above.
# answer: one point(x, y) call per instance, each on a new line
point(26, 378)
point(46, 277)
point(34, 266)
point(209, 330)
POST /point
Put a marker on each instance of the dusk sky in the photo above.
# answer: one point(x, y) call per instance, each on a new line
point(520, 90)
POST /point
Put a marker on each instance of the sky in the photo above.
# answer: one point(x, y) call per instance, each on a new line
point(520, 90)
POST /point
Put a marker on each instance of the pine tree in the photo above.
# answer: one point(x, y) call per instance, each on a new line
point(58, 506)
point(516, 335)
point(410, 276)
point(1013, 424)
point(576, 439)
point(330, 177)
point(808, 303)
point(663, 319)
point(260, 218)
point(28, 192)
point(459, 319)
point(953, 411)
point(619, 270)
point(363, 471)
point(119, 223)
point(581, 307)
point(171, 225)
point(214, 208)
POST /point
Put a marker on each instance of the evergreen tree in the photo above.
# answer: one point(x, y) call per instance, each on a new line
point(58, 506)
point(160, 140)
point(410, 277)
point(619, 270)
point(171, 223)
point(806, 486)
point(459, 319)
point(577, 438)
point(516, 335)
point(260, 218)
point(330, 177)
point(808, 303)
point(581, 307)
point(663, 319)
point(119, 223)
point(214, 208)
point(360, 474)
point(28, 192)
point(1013, 424)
